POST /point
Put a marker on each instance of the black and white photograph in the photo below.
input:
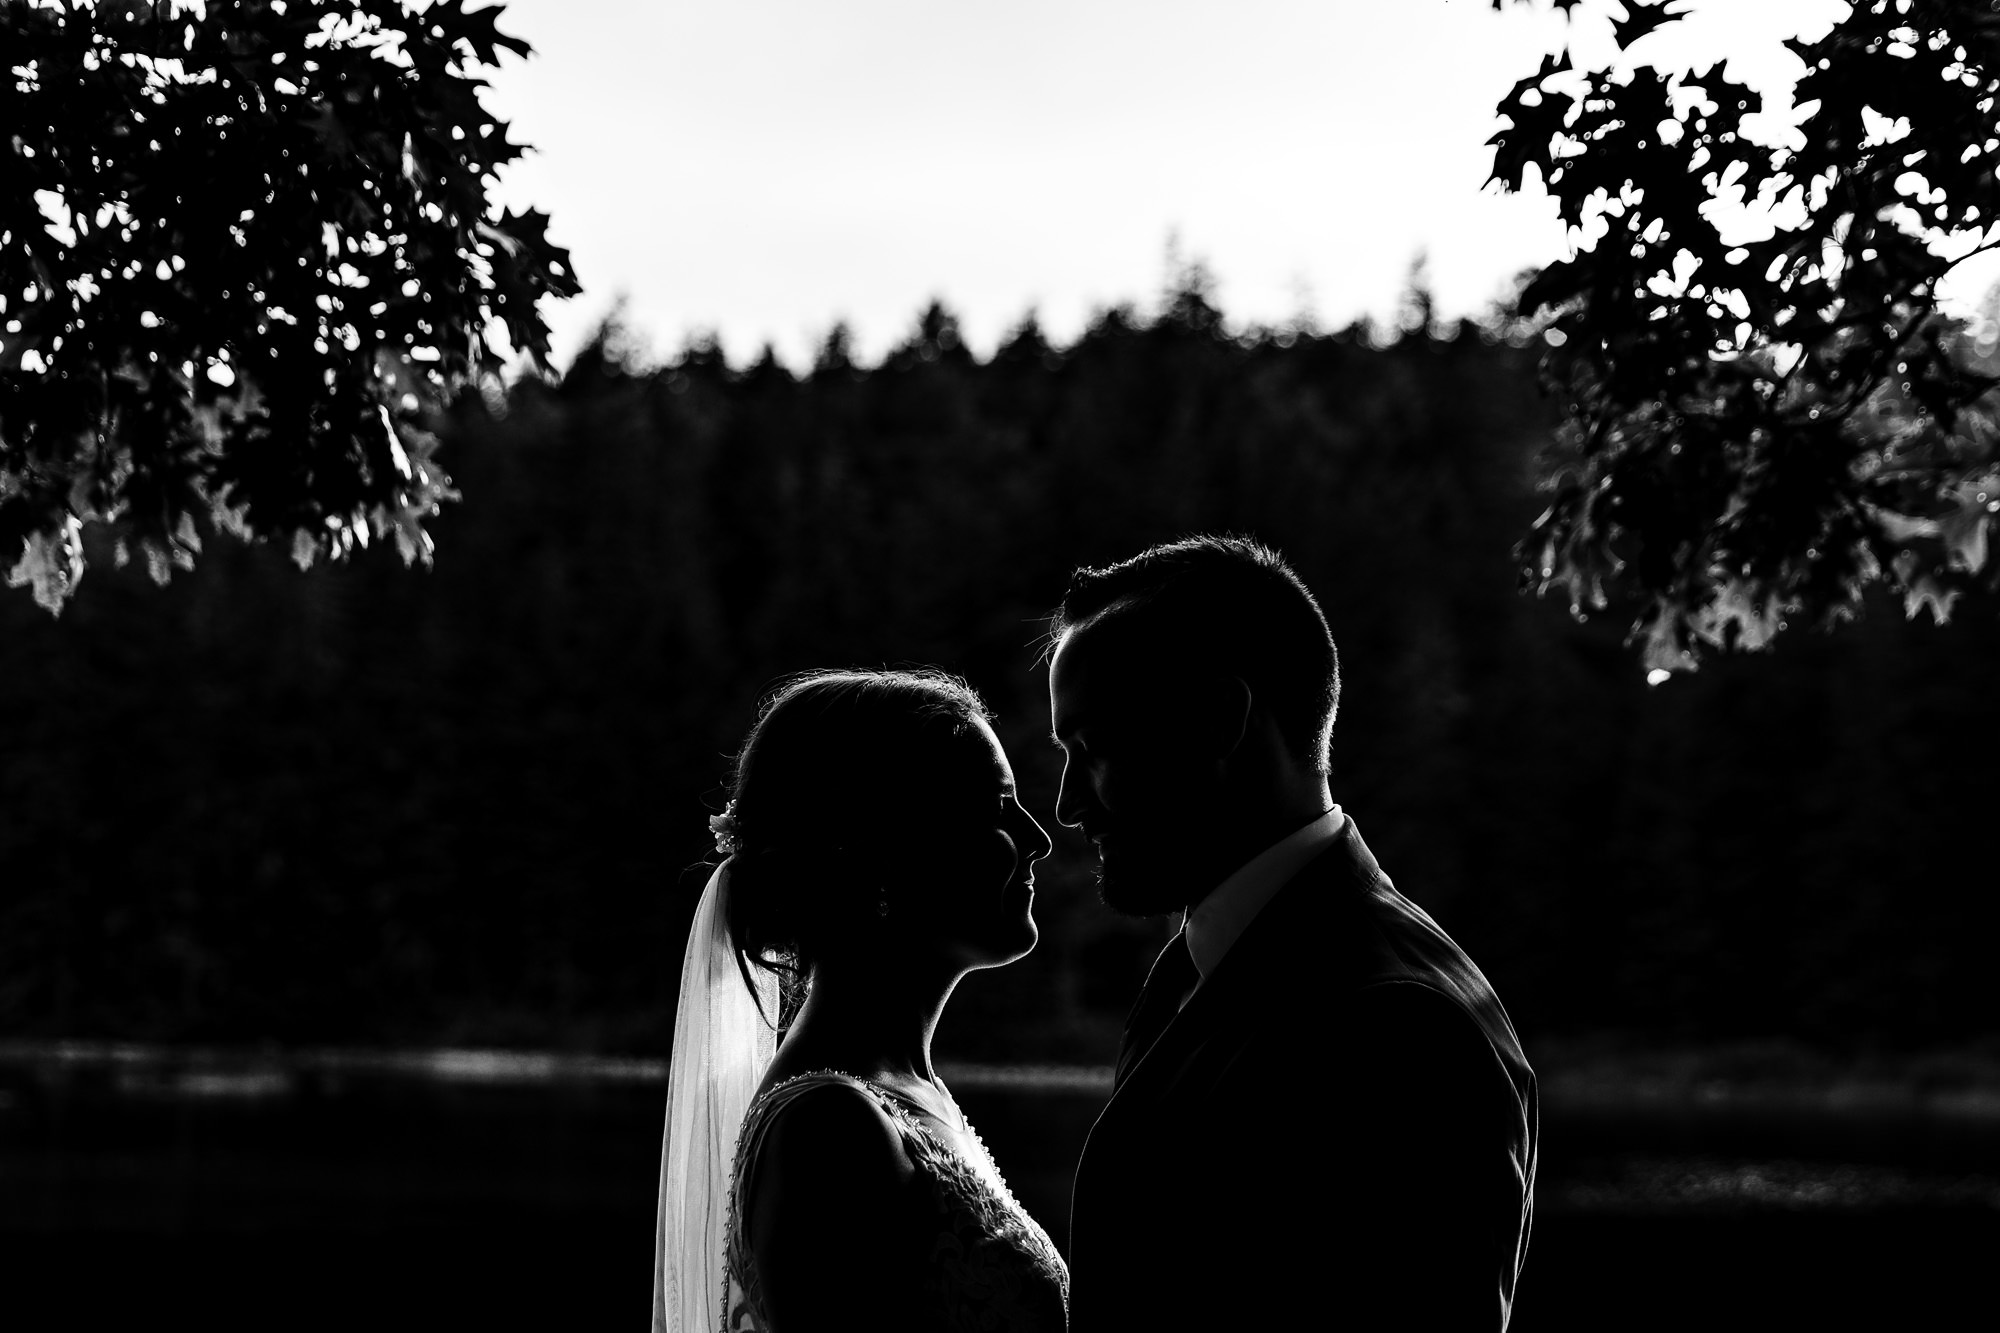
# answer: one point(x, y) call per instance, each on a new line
point(719, 667)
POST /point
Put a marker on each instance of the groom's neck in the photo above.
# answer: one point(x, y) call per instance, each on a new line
point(1259, 819)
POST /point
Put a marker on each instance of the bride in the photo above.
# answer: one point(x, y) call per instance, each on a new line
point(874, 851)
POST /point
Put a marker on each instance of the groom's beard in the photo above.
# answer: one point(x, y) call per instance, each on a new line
point(1148, 881)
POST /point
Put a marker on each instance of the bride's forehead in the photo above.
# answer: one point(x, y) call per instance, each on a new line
point(992, 755)
point(973, 763)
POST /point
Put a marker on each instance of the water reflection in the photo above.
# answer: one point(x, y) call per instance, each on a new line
point(425, 1189)
point(1644, 1184)
point(545, 1125)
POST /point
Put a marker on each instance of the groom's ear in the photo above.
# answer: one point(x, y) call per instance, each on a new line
point(1228, 715)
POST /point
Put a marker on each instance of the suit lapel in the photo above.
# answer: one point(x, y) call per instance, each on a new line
point(1260, 969)
point(1281, 960)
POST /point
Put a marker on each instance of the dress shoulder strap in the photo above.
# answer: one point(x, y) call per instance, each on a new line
point(781, 1094)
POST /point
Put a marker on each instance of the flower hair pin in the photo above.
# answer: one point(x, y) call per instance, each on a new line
point(728, 833)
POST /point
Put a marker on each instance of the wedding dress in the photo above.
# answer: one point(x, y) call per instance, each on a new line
point(989, 1264)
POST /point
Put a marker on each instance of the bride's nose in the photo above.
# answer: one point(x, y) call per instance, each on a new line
point(1035, 842)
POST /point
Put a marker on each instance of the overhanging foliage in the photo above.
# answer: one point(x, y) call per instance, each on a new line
point(1760, 427)
point(246, 252)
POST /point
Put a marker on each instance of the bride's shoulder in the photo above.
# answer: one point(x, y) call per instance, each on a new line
point(829, 1117)
point(812, 1095)
point(823, 1137)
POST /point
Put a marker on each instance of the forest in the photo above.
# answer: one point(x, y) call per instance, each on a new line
point(359, 804)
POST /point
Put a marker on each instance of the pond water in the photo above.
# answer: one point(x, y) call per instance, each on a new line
point(423, 1190)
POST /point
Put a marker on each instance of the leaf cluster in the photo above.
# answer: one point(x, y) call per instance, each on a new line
point(1761, 426)
point(246, 253)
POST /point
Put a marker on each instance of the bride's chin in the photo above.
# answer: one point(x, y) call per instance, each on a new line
point(1020, 946)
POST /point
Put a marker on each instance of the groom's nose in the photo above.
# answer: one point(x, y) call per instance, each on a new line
point(1071, 800)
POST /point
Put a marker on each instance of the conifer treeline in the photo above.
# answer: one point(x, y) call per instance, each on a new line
point(363, 804)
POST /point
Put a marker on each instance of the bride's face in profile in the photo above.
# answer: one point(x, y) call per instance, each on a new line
point(969, 889)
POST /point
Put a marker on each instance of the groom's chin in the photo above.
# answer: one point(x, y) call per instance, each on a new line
point(1140, 890)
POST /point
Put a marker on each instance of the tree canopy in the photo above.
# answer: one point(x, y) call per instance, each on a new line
point(352, 806)
point(246, 257)
point(1762, 421)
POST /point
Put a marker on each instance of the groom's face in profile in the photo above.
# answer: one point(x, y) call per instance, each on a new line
point(1133, 781)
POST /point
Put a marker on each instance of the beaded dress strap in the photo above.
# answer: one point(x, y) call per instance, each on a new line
point(907, 1114)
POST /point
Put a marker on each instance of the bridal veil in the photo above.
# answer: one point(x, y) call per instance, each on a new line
point(724, 1039)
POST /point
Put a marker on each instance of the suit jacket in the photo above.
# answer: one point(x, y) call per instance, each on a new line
point(1337, 1131)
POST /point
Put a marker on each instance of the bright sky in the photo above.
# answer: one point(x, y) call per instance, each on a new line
point(762, 168)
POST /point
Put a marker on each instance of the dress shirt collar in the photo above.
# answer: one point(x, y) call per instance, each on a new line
point(1216, 922)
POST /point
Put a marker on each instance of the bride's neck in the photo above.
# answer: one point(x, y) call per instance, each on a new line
point(868, 1019)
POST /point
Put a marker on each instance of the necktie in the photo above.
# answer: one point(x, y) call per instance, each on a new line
point(1173, 976)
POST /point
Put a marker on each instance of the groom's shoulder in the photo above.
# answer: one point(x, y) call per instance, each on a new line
point(1343, 908)
point(1339, 904)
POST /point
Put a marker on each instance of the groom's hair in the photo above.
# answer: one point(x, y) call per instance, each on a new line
point(1230, 603)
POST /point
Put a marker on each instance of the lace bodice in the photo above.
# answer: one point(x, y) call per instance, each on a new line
point(989, 1265)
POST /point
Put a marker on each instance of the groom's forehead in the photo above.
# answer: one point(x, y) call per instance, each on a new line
point(1101, 667)
point(1069, 682)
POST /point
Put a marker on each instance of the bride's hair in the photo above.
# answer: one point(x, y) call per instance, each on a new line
point(814, 792)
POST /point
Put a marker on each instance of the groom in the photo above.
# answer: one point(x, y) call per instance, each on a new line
point(1321, 1117)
